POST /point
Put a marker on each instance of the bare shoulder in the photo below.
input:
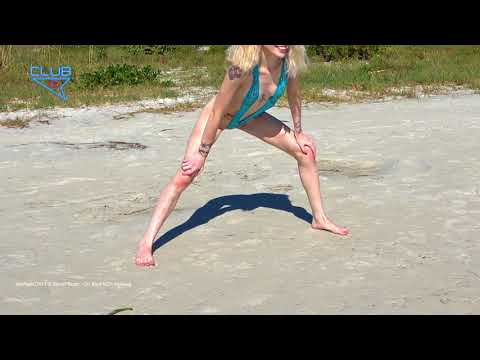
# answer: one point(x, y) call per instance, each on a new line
point(234, 80)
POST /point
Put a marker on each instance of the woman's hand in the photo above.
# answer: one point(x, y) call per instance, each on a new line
point(193, 164)
point(304, 140)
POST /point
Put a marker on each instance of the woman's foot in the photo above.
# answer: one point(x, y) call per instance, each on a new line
point(144, 255)
point(326, 224)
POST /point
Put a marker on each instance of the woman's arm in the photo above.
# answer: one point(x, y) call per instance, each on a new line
point(232, 81)
point(295, 102)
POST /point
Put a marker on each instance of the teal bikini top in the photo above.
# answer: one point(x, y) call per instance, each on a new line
point(252, 96)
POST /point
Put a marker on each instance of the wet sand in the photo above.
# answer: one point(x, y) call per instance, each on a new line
point(77, 193)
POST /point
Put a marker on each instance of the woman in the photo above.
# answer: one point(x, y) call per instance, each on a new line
point(256, 78)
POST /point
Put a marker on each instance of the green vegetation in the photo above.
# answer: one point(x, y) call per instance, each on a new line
point(343, 52)
point(121, 74)
point(151, 49)
point(5, 56)
point(396, 70)
point(15, 123)
point(109, 74)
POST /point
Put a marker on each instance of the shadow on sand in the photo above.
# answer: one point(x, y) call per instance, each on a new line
point(223, 204)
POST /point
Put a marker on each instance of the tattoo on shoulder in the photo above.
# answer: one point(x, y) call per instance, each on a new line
point(234, 72)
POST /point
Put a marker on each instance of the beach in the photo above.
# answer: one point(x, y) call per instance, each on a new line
point(78, 187)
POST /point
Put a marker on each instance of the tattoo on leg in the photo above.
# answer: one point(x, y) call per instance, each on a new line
point(204, 149)
point(234, 72)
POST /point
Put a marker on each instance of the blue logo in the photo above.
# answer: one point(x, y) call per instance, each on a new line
point(52, 79)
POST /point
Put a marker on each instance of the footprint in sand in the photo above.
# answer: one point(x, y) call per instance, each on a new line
point(209, 310)
point(249, 242)
point(113, 145)
point(258, 300)
point(280, 188)
point(116, 207)
point(252, 176)
point(355, 168)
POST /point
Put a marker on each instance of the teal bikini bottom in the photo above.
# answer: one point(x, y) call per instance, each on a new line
point(235, 124)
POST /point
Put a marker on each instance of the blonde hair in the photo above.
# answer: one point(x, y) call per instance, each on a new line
point(247, 56)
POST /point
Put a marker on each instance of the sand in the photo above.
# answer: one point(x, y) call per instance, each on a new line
point(77, 193)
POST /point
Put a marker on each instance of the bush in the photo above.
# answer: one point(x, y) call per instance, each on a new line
point(343, 52)
point(121, 74)
point(151, 49)
point(101, 53)
point(217, 48)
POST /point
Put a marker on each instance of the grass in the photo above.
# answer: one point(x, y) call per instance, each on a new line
point(5, 56)
point(179, 107)
point(19, 92)
point(394, 72)
point(15, 123)
point(430, 67)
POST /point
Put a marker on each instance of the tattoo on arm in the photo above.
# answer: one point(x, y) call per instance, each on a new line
point(295, 108)
point(234, 72)
point(297, 125)
point(204, 149)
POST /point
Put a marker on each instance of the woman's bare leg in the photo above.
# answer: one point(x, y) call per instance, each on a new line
point(272, 131)
point(171, 193)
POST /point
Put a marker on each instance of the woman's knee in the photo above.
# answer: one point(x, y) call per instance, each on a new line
point(180, 182)
point(305, 156)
